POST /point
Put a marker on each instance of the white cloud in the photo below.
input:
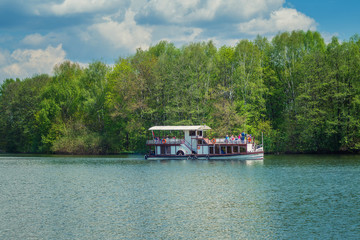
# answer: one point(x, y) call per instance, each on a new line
point(178, 34)
point(328, 36)
point(244, 9)
point(120, 35)
point(105, 29)
point(178, 11)
point(80, 6)
point(3, 59)
point(24, 63)
point(33, 39)
point(284, 19)
point(187, 11)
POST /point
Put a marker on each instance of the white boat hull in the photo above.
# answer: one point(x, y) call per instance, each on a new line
point(251, 156)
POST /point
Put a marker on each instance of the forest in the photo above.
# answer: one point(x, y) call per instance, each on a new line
point(302, 93)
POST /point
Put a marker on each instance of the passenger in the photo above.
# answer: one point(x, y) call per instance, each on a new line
point(227, 139)
point(249, 139)
point(232, 138)
point(242, 137)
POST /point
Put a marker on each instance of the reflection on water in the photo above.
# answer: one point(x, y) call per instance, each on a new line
point(126, 197)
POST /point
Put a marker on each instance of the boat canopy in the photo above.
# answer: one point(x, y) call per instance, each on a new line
point(183, 128)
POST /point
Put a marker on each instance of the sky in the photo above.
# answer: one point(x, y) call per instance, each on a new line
point(35, 35)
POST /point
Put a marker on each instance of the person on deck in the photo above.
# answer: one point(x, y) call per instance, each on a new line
point(243, 136)
point(249, 138)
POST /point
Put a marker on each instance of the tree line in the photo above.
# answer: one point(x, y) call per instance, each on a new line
point(302, 93)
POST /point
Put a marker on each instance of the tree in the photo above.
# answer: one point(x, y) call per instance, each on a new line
point(19, 102)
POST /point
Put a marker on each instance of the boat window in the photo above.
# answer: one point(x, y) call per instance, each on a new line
point(211, 150)
point(242, 149)
point(228, 150)
point(192, 133)
point(200, 141)
point(165, 150)
point(162, 150)
point(199, 133)
point(235, 149)
point(217, 150)
point(223, 150)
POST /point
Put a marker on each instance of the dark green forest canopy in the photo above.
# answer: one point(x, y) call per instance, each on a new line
point(302, 93)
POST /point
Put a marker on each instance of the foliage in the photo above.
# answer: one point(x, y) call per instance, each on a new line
point(302, 93)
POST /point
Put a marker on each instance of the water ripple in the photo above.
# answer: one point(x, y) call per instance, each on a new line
point(122, 197)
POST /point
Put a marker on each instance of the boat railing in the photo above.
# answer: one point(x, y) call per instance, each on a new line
point(166, 141)
point(182, 141)
point(229, 141)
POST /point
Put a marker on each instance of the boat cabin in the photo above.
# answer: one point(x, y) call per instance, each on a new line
point(193, 143)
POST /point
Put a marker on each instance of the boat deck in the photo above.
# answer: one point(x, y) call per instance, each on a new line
point(178, 141)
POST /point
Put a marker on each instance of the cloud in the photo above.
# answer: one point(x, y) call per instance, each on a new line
point(105, 29)
point(38, 40)
point(178, 34)
point(82, 6)
point(77, 6)
point(217, 20)
point(240, 10)
point(328, 36)
point(284, 19)
point(192, 11)
point(24, 63)
point(178, 11)
point(121, 35)
point(4, 56)
point(33, 39)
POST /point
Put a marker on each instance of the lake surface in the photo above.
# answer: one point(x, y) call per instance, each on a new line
point(126, 197)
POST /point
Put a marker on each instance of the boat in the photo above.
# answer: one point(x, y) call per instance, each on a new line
point(194, 145)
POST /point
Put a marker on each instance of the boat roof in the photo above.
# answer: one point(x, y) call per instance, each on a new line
point(184, 128)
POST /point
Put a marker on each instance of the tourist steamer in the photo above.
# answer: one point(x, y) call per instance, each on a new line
point(194, 145)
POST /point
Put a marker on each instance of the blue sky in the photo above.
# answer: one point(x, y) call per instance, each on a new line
point(35, 35)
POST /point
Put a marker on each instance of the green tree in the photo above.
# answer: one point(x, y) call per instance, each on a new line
point(19, 102)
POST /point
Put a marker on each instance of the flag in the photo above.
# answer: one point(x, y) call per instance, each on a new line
point(153, 134)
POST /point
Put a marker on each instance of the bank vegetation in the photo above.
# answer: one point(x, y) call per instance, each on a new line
point(302, 93)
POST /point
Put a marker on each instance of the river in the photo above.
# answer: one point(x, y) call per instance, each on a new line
point(126, 197)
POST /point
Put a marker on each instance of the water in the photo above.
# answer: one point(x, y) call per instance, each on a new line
point(126, 197)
